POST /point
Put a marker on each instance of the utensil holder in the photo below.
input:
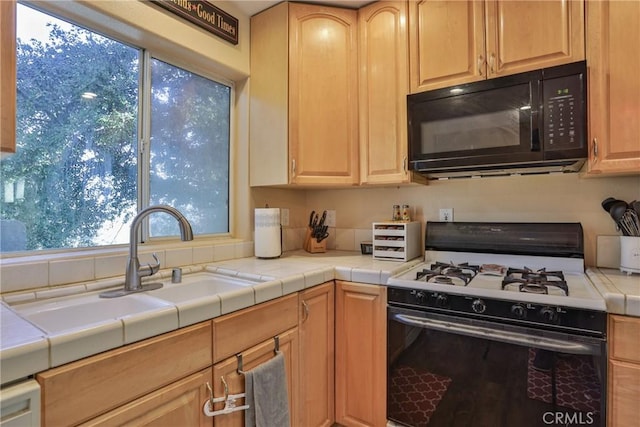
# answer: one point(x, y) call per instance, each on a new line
point(630, 254)
point(312, 245)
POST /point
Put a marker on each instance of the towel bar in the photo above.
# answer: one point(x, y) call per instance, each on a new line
point(276, 350)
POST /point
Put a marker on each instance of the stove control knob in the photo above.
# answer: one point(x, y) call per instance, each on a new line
point(442, 300)
point(478, 306)
point(548, 314)
point(519, 311)
point(421, 298)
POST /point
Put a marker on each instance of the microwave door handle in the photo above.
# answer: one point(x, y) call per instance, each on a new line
point(535, 131)
point(508, 337)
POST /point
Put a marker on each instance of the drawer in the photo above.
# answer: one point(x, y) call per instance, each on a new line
point(238, 331)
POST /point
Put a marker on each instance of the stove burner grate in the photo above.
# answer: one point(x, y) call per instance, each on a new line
point(448, 274)
point(537, 282)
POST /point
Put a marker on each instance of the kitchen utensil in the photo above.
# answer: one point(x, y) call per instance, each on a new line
point(635, 205)
point(631, 222)
point(617, 210)
point(606, 203)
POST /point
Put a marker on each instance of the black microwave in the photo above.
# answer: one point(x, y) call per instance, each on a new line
point(532, 122)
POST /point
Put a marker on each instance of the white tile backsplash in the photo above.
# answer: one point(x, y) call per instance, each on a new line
point(71, 271)
point(24, 276)
point(224, 252)
point(175, 257)
point(110, 266)
point(608, 251)
point(97, 271)
point(345, 239)
point(202, 254)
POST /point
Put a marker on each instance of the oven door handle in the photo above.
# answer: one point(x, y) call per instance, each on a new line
point(497, 335)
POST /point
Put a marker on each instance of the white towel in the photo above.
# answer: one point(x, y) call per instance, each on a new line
point(266, 394)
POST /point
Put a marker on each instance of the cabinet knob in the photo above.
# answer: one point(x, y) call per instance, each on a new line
point(595, 148)
point(293, 167)
point(481, 65)
point(405, 164)
point(306, 311)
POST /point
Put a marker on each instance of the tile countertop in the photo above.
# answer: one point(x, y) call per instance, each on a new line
point(26, 350)
point(621, 291)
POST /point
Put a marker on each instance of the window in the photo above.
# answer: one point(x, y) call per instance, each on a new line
point(103, 129)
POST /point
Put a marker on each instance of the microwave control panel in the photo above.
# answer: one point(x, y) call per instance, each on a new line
point(564, 113)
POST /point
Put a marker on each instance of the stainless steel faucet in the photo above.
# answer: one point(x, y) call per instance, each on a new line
point(135, 272)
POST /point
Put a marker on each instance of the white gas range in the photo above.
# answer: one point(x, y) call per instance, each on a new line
point(497, 313)
point(527, 273)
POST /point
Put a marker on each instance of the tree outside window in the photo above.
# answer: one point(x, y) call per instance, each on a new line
point(73, 181)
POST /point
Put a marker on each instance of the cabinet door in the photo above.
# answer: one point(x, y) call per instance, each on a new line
point(383, 92)
point(624, 389)
point(317, 356)
point(8, 76)
point(446, 40)
point(613, 57)
point(527, 35)
point(251, 358)
point(323, 95)
point(361, 343)
point(179, 404)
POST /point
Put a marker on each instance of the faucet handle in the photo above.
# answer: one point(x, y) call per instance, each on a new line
point(154, 268)
point(150, 269)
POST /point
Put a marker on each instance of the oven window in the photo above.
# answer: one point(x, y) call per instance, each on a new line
point(490, 121)
point(439, 378)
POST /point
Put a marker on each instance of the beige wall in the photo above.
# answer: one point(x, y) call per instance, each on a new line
point(543, 198)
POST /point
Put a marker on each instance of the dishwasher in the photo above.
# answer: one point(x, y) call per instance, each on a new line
point(20, 404)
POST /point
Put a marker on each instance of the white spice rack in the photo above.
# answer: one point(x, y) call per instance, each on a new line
point(396, 240)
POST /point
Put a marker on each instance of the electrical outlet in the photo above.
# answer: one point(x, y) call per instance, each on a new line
point(446, 215)
point(284, 217)
point(331, 218)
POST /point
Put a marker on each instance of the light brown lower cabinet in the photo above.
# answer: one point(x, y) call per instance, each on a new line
point(333, 337)
point(623, 400)
point(178, 404)
point(361, 354)
point(83, 390)
point(252, 357)
point(317, 356)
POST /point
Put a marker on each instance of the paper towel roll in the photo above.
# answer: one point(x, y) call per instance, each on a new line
point(268, 236)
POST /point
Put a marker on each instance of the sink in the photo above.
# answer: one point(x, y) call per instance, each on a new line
point(200, 285)
point(77, 312)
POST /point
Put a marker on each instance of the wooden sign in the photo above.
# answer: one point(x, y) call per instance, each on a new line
point(205, 15)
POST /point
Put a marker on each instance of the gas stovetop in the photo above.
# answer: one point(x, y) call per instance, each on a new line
point(524, 286)
point(512, 278)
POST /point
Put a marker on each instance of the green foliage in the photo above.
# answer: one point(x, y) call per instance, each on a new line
point(75, 155)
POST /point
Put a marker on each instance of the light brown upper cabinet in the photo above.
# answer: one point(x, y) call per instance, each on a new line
point(384, 84)
point(613, 60)
point(455, 42)
point(7, 76)
point(304, 96)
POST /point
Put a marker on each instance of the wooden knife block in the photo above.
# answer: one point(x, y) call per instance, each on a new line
point(312, 245)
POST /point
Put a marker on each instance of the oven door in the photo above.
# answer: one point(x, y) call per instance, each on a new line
point(451, 371)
